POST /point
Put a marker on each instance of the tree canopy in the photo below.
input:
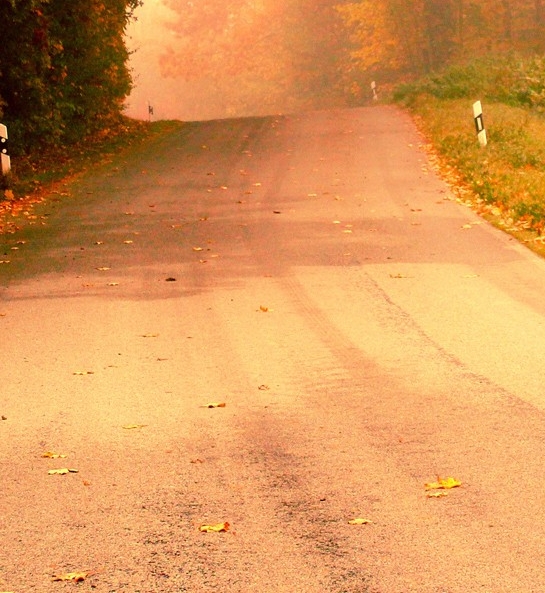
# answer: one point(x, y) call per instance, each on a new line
point(422, 35)
point(63, 68)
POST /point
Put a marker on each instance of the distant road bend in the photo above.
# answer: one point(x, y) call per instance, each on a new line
point(366, 333)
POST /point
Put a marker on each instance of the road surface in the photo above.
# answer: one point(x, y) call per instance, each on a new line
point(366, 333)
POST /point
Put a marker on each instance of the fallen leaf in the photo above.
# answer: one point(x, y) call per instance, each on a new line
point(216, 405)
point(53, 455)
point(437, 494)
point(133, 426)
point(443, 483)
point(150, 335)
point(398, 276)
point(128, 242)
point(197, 249)
point(263, 388)
point(359, 521)
point(264, 309)
point(62, 471)
point(103, 269)
point(219, 527)
point(76, 577)
point(197, 461)
point(83, 373)
point(113, 284)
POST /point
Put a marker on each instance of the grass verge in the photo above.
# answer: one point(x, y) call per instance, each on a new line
point(505, 181)
point(33, 178)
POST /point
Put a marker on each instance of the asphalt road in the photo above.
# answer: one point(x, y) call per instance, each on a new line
point(366, 333)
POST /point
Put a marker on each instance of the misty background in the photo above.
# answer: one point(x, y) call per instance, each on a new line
point(194, 60)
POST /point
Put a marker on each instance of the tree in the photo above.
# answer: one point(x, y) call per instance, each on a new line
point(258, 53)
point(64, 69)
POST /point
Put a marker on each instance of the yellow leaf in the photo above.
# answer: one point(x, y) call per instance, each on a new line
point(219, 527)
point(445, 483)
point(62, 471)
point(438, 494)
point(76, 577)
point(52, 455)
point(103, 269)
point(216, 405)
point(263, 309)
point(133, 426)
point(359, 521)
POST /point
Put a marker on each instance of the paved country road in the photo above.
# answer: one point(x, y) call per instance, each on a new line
point(366, 333)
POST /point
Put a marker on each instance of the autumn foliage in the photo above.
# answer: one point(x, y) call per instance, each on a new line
point(269, 52)
point(63, 69)
point(422, 35)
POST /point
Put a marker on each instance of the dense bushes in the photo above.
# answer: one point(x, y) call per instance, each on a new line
point(515, 80)
point(63, 70)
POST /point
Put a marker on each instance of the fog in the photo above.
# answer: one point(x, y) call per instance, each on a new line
point(203, 59)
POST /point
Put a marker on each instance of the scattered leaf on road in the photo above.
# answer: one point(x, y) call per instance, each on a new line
point(83, 373)
point(263, 388)
point(359, 521)
point(216, 405)
point(133, 426)
point(62, 471)
point(197, 249)
point(264, 309)
point(219, 527)
point(53, 455)
point(103, 269)
point(437, 494)
point(443, 483)
point(76, 577)
point(150, 335)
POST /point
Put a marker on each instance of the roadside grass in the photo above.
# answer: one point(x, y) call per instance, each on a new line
point(505, 181)
point(34, 177)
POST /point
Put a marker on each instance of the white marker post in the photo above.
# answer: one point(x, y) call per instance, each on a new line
point(374, 90)
point(479, 123)
point(5, 162)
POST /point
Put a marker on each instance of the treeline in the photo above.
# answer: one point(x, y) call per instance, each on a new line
point(418, 36)
point(63, 69)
